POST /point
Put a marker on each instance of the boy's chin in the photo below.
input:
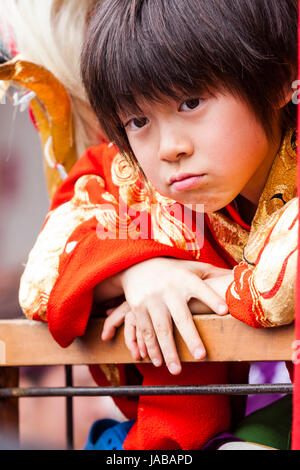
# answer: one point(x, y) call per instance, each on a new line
point(197, 204)
point(201, 206)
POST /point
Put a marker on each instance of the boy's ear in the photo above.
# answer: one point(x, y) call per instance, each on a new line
point(287, 97)
point(290, 89)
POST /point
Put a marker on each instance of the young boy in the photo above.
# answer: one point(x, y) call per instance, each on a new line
point(198, 95)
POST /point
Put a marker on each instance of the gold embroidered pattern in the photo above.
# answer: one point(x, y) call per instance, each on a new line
point(281, 185)
point(166, 227)
point(111, 373)
point(229, 234)
point(41, 270)
point(280, 188)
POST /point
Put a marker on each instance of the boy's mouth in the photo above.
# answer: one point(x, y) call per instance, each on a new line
point(184, 181)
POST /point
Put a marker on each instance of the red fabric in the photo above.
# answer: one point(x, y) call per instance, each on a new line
point(296, 395)
point(236, 216)
point(196, 419)
point(247, 307)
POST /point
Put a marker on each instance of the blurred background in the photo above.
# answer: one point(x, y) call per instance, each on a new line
point(23, 200)
point(23, 206)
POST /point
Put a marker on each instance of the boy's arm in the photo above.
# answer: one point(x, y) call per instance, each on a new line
point(263, 291)
point(71, 255)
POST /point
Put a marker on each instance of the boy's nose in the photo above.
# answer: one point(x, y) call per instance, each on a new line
point(173, 146)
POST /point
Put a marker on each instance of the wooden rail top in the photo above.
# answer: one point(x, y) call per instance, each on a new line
point(24, 342)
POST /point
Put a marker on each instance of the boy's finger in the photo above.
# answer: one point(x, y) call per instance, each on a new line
point(206, 270)
point(183, 319)
point(141, 344)
point(123, 307)
point(163, 326)
point(109, 311)
point(130, 336)
point(144, 324)
point(113, 321)
point(198, 307)
point(202, 291)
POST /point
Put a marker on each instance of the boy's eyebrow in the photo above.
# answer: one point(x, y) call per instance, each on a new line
point(125, 110)
point(128, 105)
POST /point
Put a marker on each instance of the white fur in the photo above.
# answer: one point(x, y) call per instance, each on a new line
point(51, 33)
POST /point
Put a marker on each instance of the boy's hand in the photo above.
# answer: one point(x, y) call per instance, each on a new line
point(133, 338)
point(158, 291)
point(219, 284)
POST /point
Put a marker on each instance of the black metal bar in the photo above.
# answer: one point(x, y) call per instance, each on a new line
point(228, 389)
point(69, 408)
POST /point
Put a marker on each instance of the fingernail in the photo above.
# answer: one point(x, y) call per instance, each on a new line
point(223, 309)
point(156, 362)
point(199, 353)
point(174, 368)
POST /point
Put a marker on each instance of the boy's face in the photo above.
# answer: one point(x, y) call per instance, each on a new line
point(217, 138)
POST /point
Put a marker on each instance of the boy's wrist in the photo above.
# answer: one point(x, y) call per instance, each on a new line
point(108, 289)
point(117, 281)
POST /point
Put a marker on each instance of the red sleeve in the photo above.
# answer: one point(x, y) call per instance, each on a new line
point(91, 233)
point(263, 291)
point(92, 261)
point(75, 241)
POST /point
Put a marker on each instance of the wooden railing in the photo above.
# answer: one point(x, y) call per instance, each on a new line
point(29, 343)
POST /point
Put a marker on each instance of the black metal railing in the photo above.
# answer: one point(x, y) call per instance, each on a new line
point(70, 391)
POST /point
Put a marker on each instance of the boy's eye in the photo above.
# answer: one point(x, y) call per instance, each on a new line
point(189, 104)
point(136, 123)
